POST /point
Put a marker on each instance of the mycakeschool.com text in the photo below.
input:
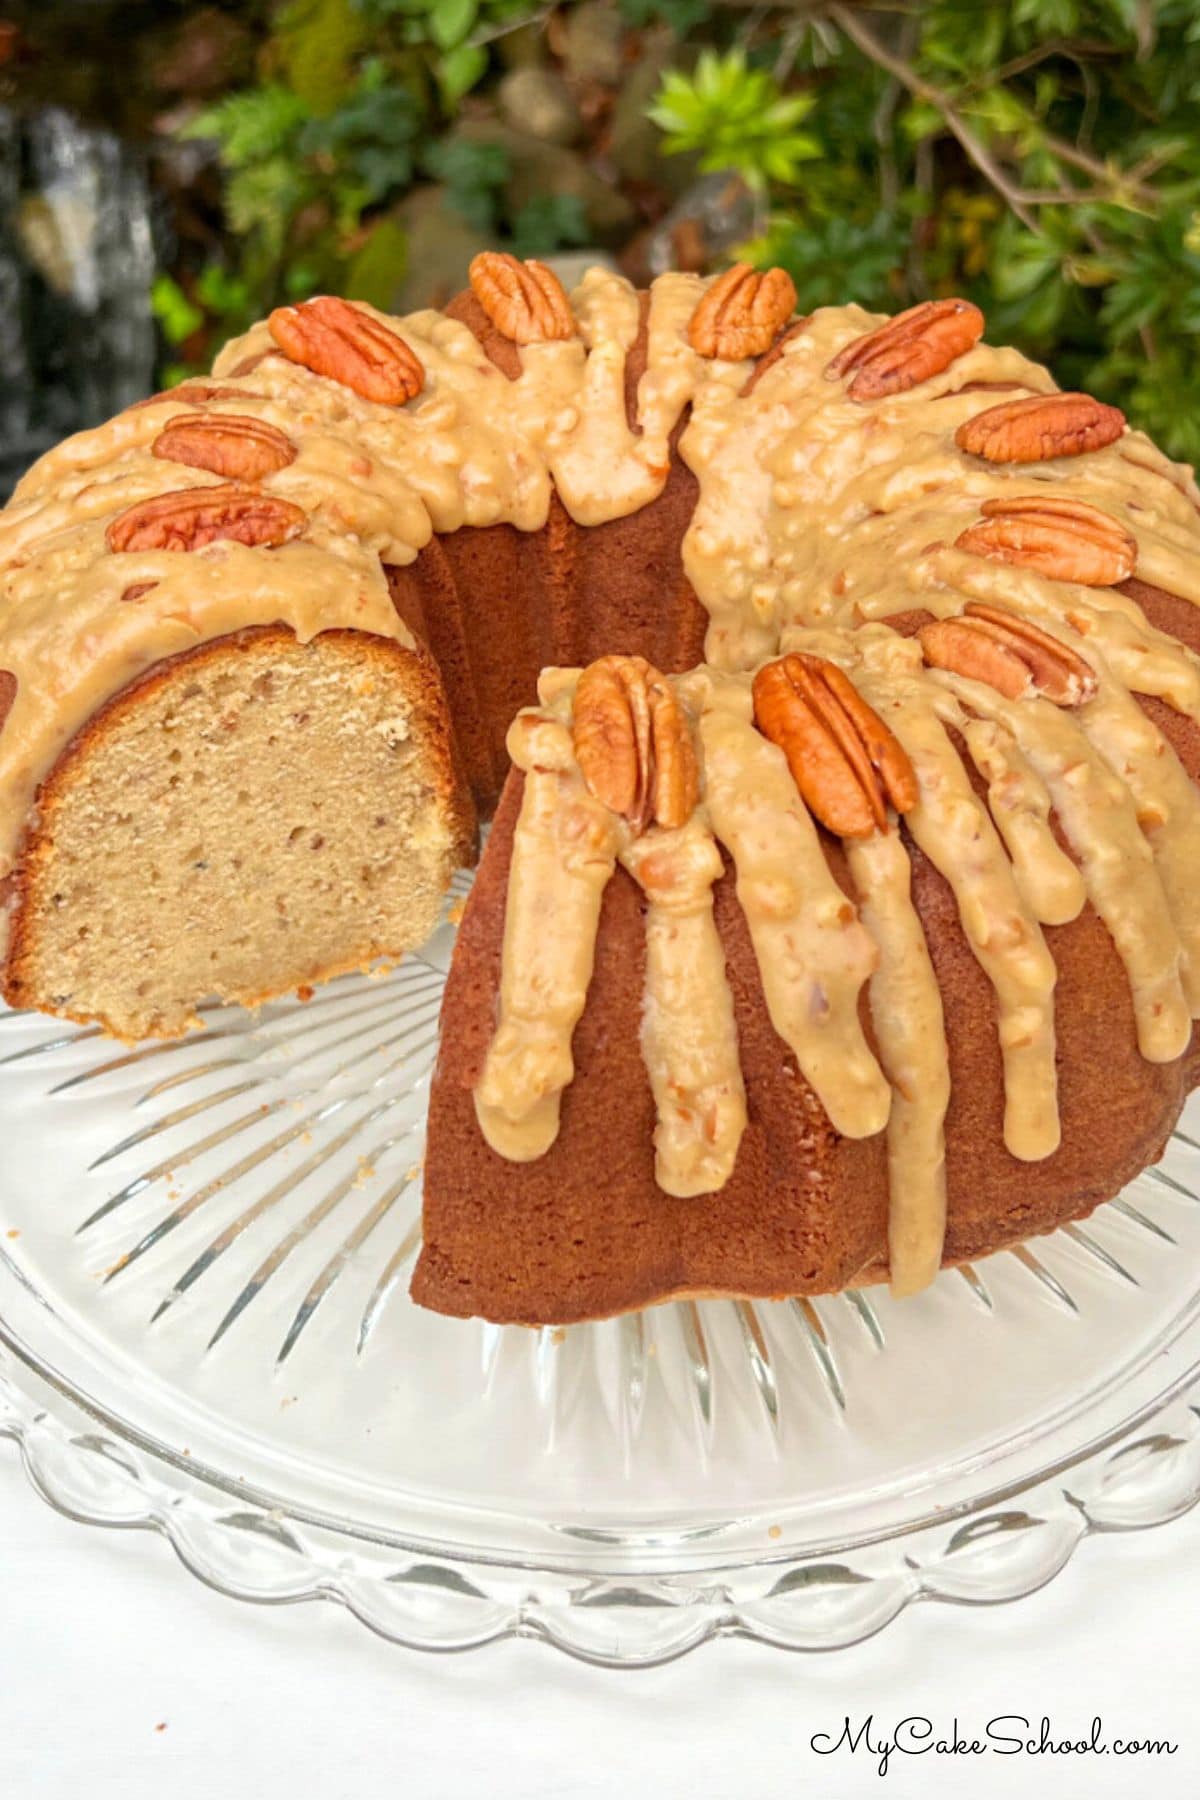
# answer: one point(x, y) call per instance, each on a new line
point(889, 1744)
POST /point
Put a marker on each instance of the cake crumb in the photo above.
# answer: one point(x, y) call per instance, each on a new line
point(161, 1726)
point(774, 1531)
point(558, 1335)
point(13, 1235)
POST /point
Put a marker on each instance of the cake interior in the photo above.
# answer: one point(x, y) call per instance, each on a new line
point(250, 819)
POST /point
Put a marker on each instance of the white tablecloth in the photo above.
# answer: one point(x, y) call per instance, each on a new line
point(121, 1675)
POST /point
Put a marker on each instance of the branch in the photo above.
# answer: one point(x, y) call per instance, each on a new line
point(916, 84)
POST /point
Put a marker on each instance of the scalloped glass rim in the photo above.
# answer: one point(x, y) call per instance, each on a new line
point(587, 1485)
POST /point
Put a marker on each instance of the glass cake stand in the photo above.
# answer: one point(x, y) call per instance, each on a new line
point(205, 1330)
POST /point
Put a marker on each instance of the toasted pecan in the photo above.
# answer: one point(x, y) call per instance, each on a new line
point(233, 445)
point(192, 517)
point(349, 345)
point(1065, 539)
point(524, 300)
point(1010, 653)
point(1039, 427)
point(844, 760)
point(189, 393)
point(908, 349)
point(742, 312)
point(633, 742)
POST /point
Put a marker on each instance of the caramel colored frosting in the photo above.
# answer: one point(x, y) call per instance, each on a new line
point(1130, 837)
point(689, 1038)
point(564, 851)
point(818, 517)
point(813, 953)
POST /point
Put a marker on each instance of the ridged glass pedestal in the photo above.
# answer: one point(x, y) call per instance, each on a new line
point(205, 1330)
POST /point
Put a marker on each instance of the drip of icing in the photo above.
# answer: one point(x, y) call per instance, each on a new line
point(1144, 658)
point(906, 1012)
point(813, 954)
point(953, 828)
point(565, 846)
point(1020, 807)
point(1100, 821)
point(1168, 810)
point(689, 1038)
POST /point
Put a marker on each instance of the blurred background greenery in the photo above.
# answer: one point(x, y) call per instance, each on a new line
point(1040, 156)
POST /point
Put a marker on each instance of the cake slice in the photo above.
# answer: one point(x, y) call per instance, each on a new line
point(244, 820)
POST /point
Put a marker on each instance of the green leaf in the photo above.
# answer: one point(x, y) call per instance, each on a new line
point(735, 117)
point(177, 317)
point(451, 20)
point(250, 126)
point(459, 70)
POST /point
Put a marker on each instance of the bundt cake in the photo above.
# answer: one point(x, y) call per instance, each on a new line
point(838, 918)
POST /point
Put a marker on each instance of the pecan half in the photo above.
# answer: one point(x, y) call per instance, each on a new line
point(189, 393)
point(191, 517)
point(230, 444)
point(1009, 653)
point(524, 300)
point(634, 744)
point(908, 349)
point(1039, 427)
point(742, 313)
point(333, 338)
point(1068, 540)
point(846, 763)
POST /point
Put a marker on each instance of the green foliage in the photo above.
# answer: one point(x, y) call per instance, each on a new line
point(551, 222)
point(834, 260)
point(473, 175)
point(736, 117)
point(367, 145)
point(177, 317)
